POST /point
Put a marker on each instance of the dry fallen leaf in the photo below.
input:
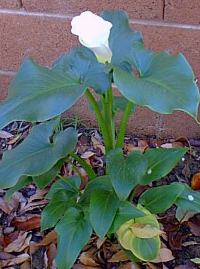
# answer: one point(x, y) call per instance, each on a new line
point(87, 155)
point(6, 256)
point(189, 243)
point(86, 258)
point(5, 206)
point(100, 242)
point(81, 266)
point(150, 265)
point(165, 255)
point(97, 144)
point(130, 147)
point(14, 139)
point(26, 265)
point(51, 254)
point(120, 256)
point(16, 260)
point(129, 265)
point(34, 205)
point(47, 240)
point(4, 134)
point(20, 243)
point(26, 224)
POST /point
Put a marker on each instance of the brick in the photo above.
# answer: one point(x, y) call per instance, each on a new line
point(10, 4)
point(182, 11)
point(41, 38)
point(44, 39)
point(146, 9)
point(4, 82)
point(179, 124)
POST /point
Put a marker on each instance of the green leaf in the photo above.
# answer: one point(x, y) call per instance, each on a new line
point(103, 207)
point(82, 65)
point(69, 184)
point(36, 154)
point(23, 181)
point(56, 208)
point(189, 200)
point(38, 94)
point(43, 180)
point(162, 82)
point(156, 200)
point(99, 183)
point(74, 231)
point(146, 249)
point(125, 173)
point(63, 194)
point(126, 211)
point(123, 41)
point(160, 162)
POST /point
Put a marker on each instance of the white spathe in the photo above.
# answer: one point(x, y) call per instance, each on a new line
point(93, 32)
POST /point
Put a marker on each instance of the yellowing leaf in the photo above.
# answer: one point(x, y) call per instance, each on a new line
point(141, 236)
point(145, 231)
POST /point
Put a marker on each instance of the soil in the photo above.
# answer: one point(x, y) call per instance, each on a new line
point(181, 238)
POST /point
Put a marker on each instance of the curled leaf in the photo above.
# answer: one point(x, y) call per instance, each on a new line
point(145, 231)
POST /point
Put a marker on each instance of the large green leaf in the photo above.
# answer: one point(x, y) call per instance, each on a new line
point(74, 231)
point(156, 200)
point(125, 173)
point(43, 180)
point(126, 211)
point(189, 200)
point(99, 183)
point(63, 194)
point(38, 94)
point(82, 65)
point(36, 154)
point(103, 207)
point(56, 209)
point(69, 184)
point(22, 182)
point(163, 82)
point(123, 41)
point(160, 162)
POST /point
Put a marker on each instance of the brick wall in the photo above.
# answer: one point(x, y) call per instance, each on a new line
point(41, 29)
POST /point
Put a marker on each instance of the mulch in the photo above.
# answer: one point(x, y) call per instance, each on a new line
point(23, 246)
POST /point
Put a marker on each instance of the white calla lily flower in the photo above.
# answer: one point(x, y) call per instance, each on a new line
point(93, 32)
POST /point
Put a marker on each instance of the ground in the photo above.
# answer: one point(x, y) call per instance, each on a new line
point(23, 246)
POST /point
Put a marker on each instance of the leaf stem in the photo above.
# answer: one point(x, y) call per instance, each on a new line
point(107, 100)
point(123, 125)
point(100, 120)
point(85, 165)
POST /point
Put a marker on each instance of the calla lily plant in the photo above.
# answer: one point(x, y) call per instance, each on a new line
point(112, 53)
